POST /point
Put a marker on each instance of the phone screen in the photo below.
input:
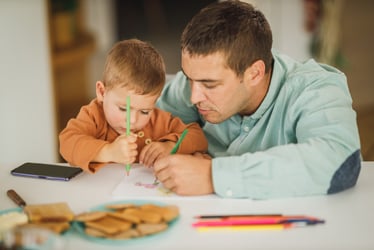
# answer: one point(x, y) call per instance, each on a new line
point(46, 171)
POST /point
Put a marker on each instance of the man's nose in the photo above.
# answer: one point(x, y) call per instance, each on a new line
point(197, 94)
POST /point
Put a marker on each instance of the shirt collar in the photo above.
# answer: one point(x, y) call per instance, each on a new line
point(274, 88)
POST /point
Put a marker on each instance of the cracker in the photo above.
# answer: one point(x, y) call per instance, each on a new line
point(131, 233)
point(94, 232)
point(168, 213)
point(121, 206)
point(90, 216)
point(57, 227)
point(148, 228)
point(127, 217)
point(109, 225)
point(145, 216)
point(52, 212)
point(128, 220)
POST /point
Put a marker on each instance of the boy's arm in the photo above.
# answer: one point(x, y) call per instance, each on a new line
point(78, 142)
point(78, 149)
point(172, 129)
point(194, 141)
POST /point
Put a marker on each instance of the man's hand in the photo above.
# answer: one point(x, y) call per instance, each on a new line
point(185, 174)
point(155, 151)
point(122, 150)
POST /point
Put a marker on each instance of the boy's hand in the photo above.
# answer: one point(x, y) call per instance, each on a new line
point(154, 151)
point(122, 150)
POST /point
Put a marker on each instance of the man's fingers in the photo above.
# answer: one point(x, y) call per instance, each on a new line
point(168, 183)
point(162, 163)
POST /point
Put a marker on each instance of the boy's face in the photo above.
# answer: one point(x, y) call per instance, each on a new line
point(114, 104)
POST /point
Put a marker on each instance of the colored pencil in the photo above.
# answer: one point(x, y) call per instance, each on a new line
point(257, 221)
point(245, 228)
point(176, 146)
point(242, 222)
point(220, 216)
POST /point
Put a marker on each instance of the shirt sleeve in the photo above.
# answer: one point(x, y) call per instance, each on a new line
point(306, 144)
point(325, 157)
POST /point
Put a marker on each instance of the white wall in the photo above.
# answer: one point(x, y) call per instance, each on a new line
point(286, 18)
point(27, 123)
point(100, 21)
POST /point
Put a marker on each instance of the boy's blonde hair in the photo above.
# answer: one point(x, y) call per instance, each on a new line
point(136, 65)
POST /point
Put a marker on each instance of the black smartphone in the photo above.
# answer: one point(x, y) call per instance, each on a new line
point(46, 171)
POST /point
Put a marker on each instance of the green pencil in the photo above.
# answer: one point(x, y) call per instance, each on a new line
point(176, 146)
point(128, 118)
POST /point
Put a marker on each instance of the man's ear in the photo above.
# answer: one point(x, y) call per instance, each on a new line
point(255, 73)
point(100, 91)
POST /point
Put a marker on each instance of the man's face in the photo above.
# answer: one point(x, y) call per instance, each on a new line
point(216, 90)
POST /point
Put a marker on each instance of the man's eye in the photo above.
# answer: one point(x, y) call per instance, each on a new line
point(145, 112)
point(209, 86)
point(122, 109)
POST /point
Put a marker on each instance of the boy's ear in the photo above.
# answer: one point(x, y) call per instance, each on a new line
point(100, 90)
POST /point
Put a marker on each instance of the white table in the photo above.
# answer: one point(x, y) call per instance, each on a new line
point(349, 214)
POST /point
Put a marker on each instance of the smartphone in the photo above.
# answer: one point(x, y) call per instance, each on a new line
point(46, 171)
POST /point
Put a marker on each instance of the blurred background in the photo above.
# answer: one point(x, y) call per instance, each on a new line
point(52, 52)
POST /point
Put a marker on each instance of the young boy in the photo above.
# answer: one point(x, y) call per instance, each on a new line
point(97, 135)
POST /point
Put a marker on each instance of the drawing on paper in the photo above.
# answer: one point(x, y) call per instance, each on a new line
point(161, 189)
point(141, 183)
point(146, 185)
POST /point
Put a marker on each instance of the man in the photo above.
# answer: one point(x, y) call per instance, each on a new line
point(276, 127)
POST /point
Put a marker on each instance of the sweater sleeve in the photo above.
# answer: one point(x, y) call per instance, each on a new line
point(79, 142)
point(194, 141)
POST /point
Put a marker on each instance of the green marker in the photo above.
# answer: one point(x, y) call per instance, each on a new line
point(128, 118)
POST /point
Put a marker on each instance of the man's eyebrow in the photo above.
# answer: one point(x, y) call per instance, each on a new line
point(200, 80)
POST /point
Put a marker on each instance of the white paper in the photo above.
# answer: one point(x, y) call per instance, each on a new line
point(140, 183)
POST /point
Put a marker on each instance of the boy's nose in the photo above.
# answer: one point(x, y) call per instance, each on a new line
point(133, 116)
